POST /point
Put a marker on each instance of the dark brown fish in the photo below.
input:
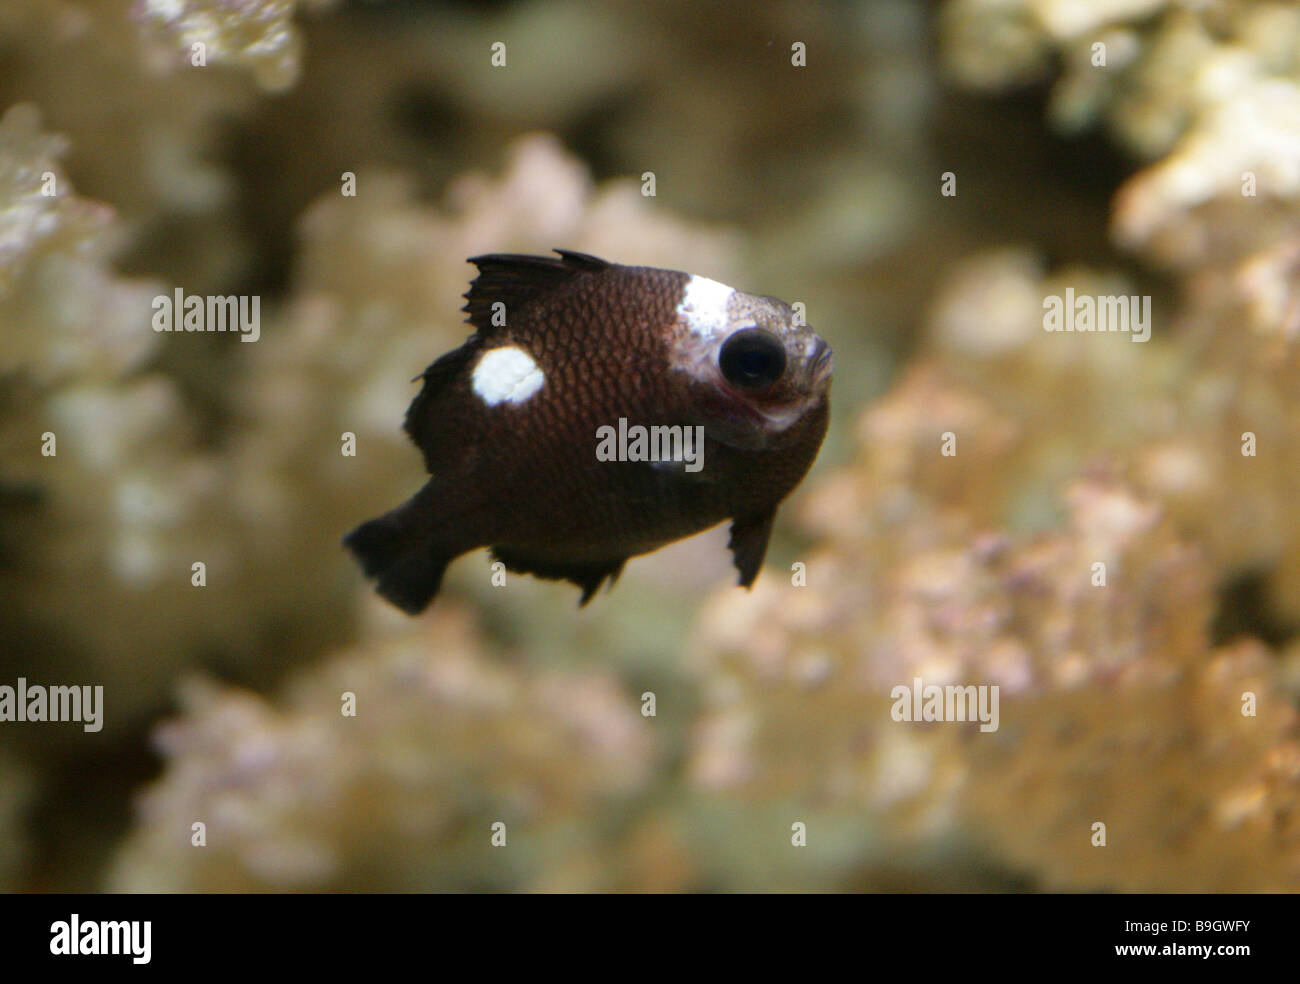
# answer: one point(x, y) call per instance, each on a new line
point(599, 412)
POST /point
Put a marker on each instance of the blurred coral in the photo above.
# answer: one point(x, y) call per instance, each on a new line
point(122, 493)
point(406, 794)
point(55, 250)
point(258, 34)
point(1208, 93)
point(1115, 707)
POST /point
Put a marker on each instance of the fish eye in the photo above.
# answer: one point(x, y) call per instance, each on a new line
point(752, 359)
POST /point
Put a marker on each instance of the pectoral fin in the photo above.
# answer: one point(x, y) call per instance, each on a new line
point(748, 544)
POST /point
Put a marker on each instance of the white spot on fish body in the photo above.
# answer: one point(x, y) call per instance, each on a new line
point(506, 375)
point(704, 306)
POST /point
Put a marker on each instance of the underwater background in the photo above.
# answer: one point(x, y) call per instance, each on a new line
point(1104, 529)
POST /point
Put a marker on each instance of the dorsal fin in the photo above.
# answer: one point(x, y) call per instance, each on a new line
point(514, 278)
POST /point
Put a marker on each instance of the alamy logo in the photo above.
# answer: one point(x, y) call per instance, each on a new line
point(1101, 313)
point(102, 937)
point(39, 703)
point(951, 703)
point(195, 312)
point(657, 443)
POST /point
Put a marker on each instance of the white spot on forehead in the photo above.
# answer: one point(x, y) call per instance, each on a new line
point(704, 305)
point(506, 375)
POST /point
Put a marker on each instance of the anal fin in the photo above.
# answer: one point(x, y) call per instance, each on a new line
point(589, 577)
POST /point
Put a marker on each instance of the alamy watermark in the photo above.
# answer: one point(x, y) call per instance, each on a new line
point(656, 443)
point(213, 312)
point(922, 702)
point(1106, 312)
point(37, 703)
point(77, 937)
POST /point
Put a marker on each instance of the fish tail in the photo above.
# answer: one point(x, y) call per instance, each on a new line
point(396, 550)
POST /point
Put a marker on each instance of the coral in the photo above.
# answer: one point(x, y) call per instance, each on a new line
point(1114, 705)
point(112, 515)
point(445, 743)
point(257, 34)
point(1173, 412)
point(55, 248)
point(140, 136)
point(1209, 94)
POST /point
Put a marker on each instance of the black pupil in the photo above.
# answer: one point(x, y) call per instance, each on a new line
point(752, 358)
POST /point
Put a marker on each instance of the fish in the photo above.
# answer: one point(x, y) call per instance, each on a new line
point(596, 413)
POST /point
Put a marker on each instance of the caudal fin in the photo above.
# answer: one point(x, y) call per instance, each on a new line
point(406, 566)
